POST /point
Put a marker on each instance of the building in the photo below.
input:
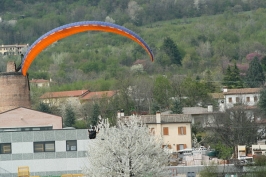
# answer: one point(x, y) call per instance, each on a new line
point(40, 83)
point(46, 153)
point(57, 98)
point(24, 119)
point(76, 96)
point(14, 89)
point(259, 149)
point(231, 97)
point(175, 129)
point(13, 49)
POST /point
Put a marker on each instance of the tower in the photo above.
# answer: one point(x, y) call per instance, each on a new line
point(14, 89)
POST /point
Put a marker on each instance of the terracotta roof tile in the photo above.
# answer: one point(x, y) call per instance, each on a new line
point(242, 91)
point(74, 93)
point(97, 95)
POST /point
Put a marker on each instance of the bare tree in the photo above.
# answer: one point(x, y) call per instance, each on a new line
point(236, 126)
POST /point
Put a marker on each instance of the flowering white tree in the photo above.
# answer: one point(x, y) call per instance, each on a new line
point(126, 150)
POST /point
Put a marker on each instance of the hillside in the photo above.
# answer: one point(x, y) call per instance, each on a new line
point(208, 39)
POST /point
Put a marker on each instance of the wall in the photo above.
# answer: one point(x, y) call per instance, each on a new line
point(14, 91)
point(45, 163)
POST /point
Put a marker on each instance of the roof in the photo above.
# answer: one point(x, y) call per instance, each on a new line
point(194, 110)
point(97, 95)
point(74, 93)
point(242, 91)
point(38, 81)
point(24, 117)
point(217, 95)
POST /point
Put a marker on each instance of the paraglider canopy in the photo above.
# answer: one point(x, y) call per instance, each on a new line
point(74, 28)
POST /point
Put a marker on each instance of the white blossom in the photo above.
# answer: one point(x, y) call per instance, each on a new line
point(125, 150)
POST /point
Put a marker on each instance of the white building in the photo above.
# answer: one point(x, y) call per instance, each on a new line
point(13, 49)
point(231, 97)
point(51, 152)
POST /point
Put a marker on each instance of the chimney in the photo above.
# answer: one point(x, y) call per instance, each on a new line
point(158, 117)
point(11, 66)
point(225, 89)
point(122, 113)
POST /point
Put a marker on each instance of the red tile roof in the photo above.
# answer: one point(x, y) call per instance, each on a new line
point(74, 93)
point(97, 95)
point(242, 91)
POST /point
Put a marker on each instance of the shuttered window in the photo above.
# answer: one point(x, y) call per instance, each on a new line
point(165, 131)
point(182, 131)
point(181, 146)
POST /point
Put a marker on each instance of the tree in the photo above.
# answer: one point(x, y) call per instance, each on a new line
point(255, 76)
point(262, 101)
point(177, 107)
point(127, 149)
point(195, 93)
point(170, 48)
point(69, 116)
point(162, 91)
point(44, 108)
point(234, 127)
point(95, 115)
point(232, 78)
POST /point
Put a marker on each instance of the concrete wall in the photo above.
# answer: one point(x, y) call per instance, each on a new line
point(44, 163)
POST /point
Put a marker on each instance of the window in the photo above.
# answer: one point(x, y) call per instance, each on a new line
point(237, 100)
point(181, 130)
point(248, 99)
point(181, 146)
point(165, 131)
point(5, 148)
point(71, 145)
point(230, 100)
point(48, 146)
point(255, 98)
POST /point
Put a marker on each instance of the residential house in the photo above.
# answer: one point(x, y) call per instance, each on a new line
point(95, 96)
point(231, 97)
point(40, 83)
point(57, 98)
point(12, 49)
point(175, 129)
point(75, 96)
point(24, 119)
point(45, 152)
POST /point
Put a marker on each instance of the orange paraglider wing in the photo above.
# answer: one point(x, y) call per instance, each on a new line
point(74, 28)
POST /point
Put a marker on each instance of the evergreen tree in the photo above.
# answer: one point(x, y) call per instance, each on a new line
point(95, 115)
point(263, 63)
point(232, 78)
point(237, 81)
point(177, 107)
point(127, 149)
point(262, 101)
point(255, 76)
point(43, 107)
point(170, 48)
point(69, 117)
